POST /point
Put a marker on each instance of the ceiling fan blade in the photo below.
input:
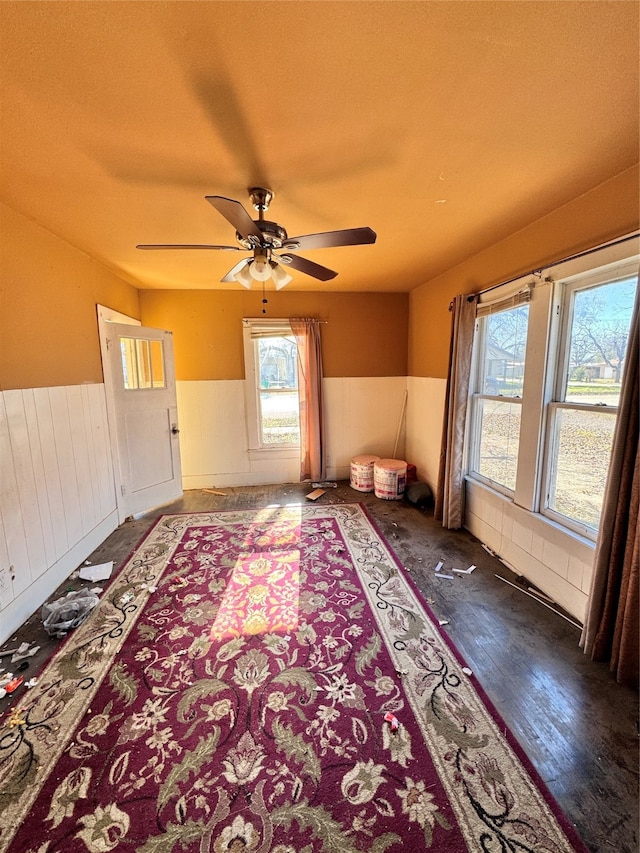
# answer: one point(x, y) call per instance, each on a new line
point(188, 246)
point(328, 239)
point(230, 276)
point(236, 214)
point(307, 267)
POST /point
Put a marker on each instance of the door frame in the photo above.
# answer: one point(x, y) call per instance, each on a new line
point(106, 316)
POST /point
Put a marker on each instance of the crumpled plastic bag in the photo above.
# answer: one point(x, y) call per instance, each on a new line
point(68, 612)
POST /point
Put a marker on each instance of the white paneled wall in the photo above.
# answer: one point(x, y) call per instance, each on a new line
point(553, 559)
point(57, 498)
point(425, 407)
point(361, 415)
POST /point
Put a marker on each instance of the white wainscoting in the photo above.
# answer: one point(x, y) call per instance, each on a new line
point(425, 407)
point(57, 497)
point(556, 561)
point(361, 416)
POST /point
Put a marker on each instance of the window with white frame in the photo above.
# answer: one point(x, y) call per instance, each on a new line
point(549, 354)
point(501, 342)
point(595, 311)
point(271, 366)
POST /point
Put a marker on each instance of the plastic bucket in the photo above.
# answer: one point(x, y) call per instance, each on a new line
point(389, 478)
point(362, 472)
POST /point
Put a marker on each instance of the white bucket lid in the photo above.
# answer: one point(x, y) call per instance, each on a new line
point(391, 464)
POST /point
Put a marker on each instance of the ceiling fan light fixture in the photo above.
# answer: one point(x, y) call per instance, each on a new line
point(243, 277)
point(260, 268)
point(280, 277)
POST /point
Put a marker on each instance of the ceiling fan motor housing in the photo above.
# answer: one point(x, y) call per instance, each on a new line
point(273, 235)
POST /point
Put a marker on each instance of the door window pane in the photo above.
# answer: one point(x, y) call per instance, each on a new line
point(129, 363)
point(157, 363)
point(142, 363)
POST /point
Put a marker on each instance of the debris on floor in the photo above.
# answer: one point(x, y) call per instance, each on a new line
point(215, 492)
point(24, 650)
point(392, 720)
point(466, 571)
point(96, 573)
point(315, 494)
point(328, 484)
point(16, 719)
point(440, 574)
point(68, 612)
point(541, 598)
point(13, 685)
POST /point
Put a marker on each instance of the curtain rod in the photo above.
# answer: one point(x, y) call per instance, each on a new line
point(539, 270)
point(279, 319)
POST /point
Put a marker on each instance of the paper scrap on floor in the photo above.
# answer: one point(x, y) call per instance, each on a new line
point(97, 573)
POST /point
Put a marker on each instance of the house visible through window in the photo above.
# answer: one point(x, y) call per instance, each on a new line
point(594, 334)
point(546, 383)
point(271, 362)
point(497, 409)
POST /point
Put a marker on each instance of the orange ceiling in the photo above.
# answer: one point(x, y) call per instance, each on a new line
point(444, 126)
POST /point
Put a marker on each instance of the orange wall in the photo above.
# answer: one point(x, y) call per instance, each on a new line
point(365, 333)
point(604, 213)
point(48, 296)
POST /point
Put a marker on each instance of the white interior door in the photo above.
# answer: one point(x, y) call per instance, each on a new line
point(141, 385)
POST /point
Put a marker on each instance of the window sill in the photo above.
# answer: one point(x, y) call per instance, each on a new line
point(256, 453)
point(549, 529)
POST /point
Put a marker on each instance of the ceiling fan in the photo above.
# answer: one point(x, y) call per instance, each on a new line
point(269, 243)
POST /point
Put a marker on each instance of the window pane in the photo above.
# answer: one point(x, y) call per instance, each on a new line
point(278, 362)
point(582, 446)
point(499, 431)
point(144, 364)
point(129, 370)
point(157, 363)
point(280, 417)
point(277, 358)
point(504, 350)
point(598, 342)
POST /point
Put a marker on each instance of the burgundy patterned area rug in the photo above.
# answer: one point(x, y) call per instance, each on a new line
point(264, 681)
